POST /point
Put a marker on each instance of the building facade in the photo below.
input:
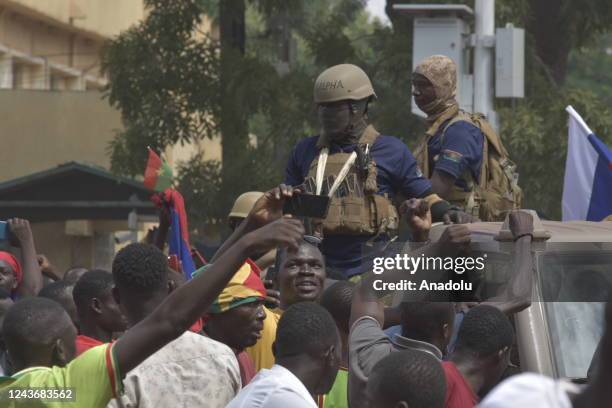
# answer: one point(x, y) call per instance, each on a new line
point(53, 111)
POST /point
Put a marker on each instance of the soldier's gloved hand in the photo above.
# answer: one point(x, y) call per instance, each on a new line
point(457, 216)
point(418, 216)
point(521, 223)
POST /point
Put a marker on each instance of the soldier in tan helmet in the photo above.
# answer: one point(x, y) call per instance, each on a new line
point(242, 206)
point(240, 210)
point(361, 170)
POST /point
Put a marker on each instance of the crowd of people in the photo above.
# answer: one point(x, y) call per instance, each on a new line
point(139, 336)
point(285, 313)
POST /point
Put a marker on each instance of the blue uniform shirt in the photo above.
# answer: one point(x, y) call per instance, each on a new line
point(397, 172)
point(460, 149)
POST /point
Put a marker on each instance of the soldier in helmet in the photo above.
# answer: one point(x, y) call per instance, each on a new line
point(361, 170)
point(240, 210)
point(461, 153)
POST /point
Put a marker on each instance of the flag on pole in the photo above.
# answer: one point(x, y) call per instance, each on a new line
point(587, 187)
point(158, 174)
point(179, 247)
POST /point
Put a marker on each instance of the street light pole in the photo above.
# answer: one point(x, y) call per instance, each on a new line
point(484, 39)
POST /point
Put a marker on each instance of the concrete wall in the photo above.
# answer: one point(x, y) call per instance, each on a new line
point(211, 148)
point(41, 129)
point(96, 250)
point(54, 43)
point(105, 18)
point(63, 251)
point(70, 33)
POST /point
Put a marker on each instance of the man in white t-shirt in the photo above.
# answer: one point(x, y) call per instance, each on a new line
point(308, 353)
point(533, 390)
point(190, 371)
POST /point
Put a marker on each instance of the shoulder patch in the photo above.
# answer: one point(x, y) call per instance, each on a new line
point(452, 155)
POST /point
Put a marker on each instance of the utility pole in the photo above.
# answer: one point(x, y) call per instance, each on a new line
point(484, 41)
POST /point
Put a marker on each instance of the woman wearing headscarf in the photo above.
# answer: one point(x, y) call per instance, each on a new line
point(20, 278)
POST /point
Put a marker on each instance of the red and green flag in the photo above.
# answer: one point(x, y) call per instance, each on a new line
point(158, 174)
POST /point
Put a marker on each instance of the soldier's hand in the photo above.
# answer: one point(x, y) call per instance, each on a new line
point(455, 216)
point(418, 217)
point(269, 207)
point(521, 223)
point(456, 238)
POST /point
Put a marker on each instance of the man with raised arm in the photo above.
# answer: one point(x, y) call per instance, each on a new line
point(40, 337)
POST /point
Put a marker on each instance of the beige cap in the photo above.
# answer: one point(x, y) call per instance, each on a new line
point(244, 203)
point(342, 82)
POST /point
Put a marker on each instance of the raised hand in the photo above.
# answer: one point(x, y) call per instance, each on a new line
point(269, 207)
point(284, 232)
point(20, 230)
point(46, 268)
point(418, 216)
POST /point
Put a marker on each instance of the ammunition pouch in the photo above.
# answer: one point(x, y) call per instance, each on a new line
point(370, 215)
point(355, 208)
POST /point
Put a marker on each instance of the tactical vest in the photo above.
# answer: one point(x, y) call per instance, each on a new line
point(355, 207)
point(497, 191)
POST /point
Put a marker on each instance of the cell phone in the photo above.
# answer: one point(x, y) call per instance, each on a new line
point(4, 231)
point(307, 205)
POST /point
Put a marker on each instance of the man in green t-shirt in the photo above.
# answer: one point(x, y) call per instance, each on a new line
point(337, 299)
point(40, 337)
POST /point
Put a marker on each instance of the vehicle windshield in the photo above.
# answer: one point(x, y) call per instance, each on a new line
point(574, 287)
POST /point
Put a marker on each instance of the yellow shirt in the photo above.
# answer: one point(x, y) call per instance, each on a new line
point(261, 352)
point(88, 381)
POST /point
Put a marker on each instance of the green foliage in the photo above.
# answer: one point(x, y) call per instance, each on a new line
point(585, 20)
point(535, 132)
point(164, 81)
point(535, 129)
point(200, 185)
point(591, 68)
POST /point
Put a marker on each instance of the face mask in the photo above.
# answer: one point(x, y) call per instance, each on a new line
point(334, 120)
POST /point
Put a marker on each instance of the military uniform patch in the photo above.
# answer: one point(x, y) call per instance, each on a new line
point(452, 155)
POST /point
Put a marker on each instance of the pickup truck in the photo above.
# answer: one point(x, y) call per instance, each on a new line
point(572, 265)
